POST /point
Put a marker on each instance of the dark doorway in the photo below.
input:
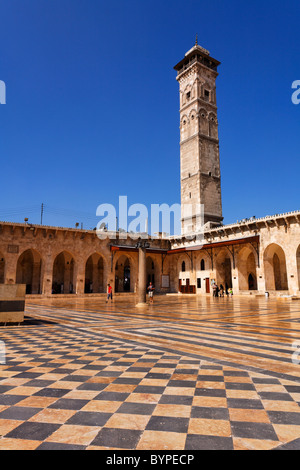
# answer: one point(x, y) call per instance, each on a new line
point(126, 278)
point(252, 282)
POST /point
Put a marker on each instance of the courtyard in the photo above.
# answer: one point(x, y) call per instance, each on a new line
point(186, 373)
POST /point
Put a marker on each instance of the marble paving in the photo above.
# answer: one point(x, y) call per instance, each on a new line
point(186, 373)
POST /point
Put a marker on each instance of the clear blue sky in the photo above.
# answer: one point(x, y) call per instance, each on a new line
point(93, 110)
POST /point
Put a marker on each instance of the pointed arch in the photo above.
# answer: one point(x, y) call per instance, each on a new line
point(223, 264)
point(213, 125)
point(275, 268)
point(94, 274)
point(247, 268)
point(123, 274)
point(204, 124)
point(150, 270)
point(63, 273)
point(29, 267)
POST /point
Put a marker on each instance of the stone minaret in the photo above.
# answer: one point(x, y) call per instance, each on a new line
point(199, 142)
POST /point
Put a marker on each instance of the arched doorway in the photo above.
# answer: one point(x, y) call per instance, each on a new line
point(150, 267)
point(298, 265)
point(29, 271)
point(2, 268)
point(94, 274)
point(123, 275)
point(275, 268)
point(63, 273)
point(224, 270)
point(247, 269)
point(252, 282)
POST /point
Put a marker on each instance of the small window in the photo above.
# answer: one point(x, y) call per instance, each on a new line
point(183, 266)
point(188, 95)
point(198, 283)
point(206, 93)
point(202, 265)
point(190, 195)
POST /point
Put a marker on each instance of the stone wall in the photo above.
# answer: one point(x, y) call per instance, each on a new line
point(252, 256)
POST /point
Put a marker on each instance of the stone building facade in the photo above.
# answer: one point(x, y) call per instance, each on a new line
point(253, 256)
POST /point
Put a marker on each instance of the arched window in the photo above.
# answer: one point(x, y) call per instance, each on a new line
point(183, 266)
point(202, 265)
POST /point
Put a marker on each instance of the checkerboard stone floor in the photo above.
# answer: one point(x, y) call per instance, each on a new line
point(92, 376)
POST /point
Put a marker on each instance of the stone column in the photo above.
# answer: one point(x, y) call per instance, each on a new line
point(36, 278)
point(292, 275)
point(67, 278)
point(10, 275)
point(47, 275)
point(79, 277)
point(142, 277)
point(235, 281)
point(261, 282)
point(108, 276)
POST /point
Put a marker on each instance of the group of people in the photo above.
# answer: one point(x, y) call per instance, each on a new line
point(150, 290)
point(219, 291)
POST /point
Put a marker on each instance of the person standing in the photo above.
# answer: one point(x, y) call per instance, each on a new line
point(214, 289)
point(150, 292)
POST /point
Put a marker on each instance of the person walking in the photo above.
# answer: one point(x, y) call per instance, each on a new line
point(109, 293)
